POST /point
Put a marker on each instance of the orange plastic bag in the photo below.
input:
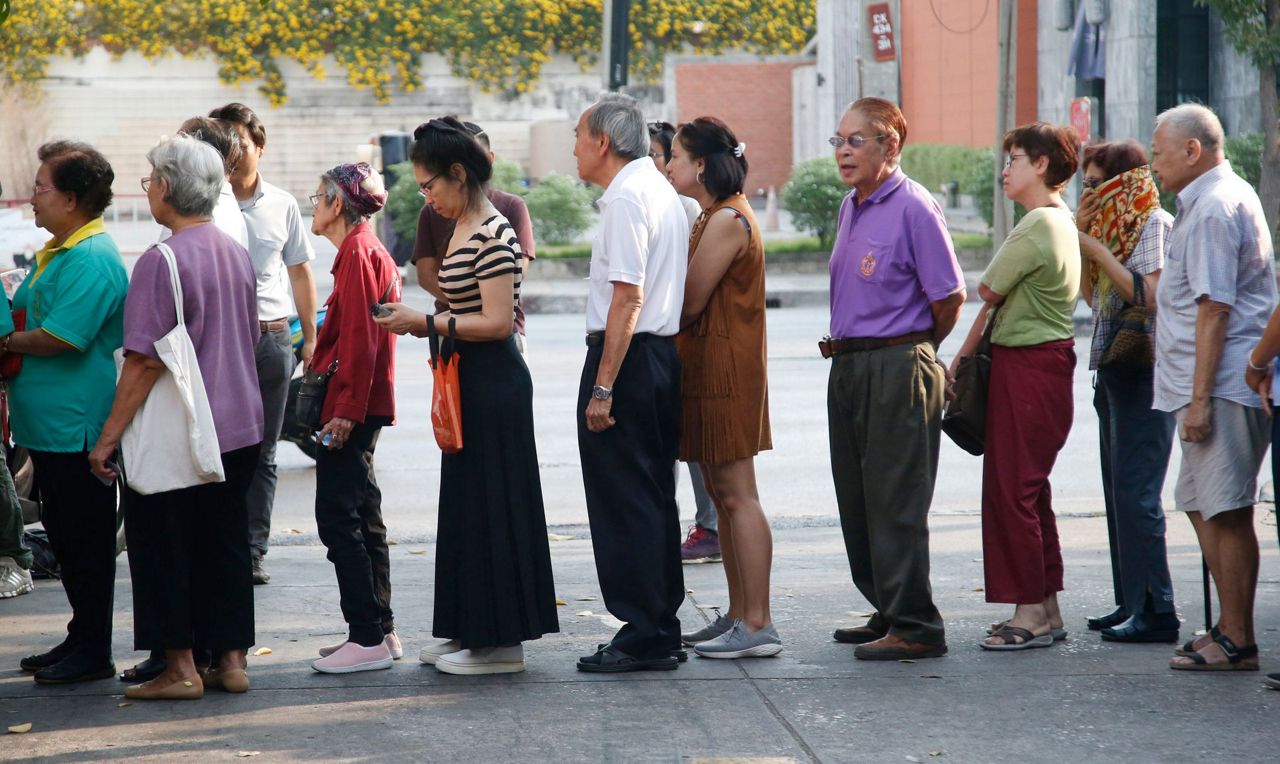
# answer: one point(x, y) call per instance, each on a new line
point(446, 395)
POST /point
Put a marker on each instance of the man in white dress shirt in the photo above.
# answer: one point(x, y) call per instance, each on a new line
point(629, 397)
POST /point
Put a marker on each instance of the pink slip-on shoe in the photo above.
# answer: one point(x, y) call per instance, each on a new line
point(392, 642)
point(352, 657)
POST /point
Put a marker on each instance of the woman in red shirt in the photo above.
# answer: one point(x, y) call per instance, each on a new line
point(358, 403)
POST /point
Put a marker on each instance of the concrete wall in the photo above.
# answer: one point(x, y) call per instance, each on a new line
point(1055, 89)
point(1131, 71)
point(1233, 84)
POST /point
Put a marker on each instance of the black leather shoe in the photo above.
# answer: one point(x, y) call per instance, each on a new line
point(45, 660)
point(260, 575)
point(1114, 618)
point(1144, 628)
point(611, 660)
point(145, 671)
point(76, 668)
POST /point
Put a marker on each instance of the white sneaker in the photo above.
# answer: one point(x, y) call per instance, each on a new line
point(352, 657)
point(14, 579)
point(484, 660)
point(437, 647)
point(392, 641)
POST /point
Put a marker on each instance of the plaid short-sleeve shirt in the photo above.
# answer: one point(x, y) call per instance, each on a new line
point(1147, 257)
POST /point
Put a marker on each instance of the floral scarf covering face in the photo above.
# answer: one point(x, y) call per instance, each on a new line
point(1127, 200)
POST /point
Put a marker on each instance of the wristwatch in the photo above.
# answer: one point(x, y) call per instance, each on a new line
point(601, 393)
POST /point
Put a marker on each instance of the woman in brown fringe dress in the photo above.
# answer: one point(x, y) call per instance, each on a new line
point(724, 385)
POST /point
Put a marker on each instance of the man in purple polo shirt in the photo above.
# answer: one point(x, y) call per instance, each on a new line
point(896, 292)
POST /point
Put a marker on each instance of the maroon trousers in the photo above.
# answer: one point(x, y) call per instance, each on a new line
point(1029, 413)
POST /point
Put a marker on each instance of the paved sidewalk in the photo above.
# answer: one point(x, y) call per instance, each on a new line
point(1081, 700)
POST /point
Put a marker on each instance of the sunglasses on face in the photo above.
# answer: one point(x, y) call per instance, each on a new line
point(855, 141)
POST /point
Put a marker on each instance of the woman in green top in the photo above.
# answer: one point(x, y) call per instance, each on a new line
point(74, 305)
point(1030, 292)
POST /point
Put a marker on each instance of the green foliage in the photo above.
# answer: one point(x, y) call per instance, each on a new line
point(404, 202)
point(508, 176)
point(1246, 28)
point(1245, 153)
point(813, 195)
point(933, 164)
point(979, 181)
point(560, 208)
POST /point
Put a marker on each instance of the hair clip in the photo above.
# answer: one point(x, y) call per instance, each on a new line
point(739, 150)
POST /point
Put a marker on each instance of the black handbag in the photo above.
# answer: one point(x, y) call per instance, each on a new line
point(309, 404)
point(965, 420)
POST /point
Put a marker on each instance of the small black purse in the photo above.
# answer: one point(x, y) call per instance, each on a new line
point(310, 399)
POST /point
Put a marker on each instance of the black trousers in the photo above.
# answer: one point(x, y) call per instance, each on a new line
point(1134, 442)
point(192, 576)
point(79, 514)
point(631, 494)
point(349, 519)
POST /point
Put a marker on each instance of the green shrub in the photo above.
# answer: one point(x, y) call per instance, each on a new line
point(1245, 153)
point(813, 196)
point(979, 181)
point(934, 164)
point(560, 208)
point(404, 202)
point(508, 176)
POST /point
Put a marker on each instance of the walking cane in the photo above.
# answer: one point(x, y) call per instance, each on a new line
point(1208, 601)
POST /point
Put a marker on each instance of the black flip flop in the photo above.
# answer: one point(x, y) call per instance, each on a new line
point(611, 660)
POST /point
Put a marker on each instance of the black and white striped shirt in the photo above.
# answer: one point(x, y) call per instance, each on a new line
point(489, 252)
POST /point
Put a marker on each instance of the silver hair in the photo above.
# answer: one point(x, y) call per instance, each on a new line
point(332, 192)
point(193, 170)
point(618, 117)
point(1193, 120)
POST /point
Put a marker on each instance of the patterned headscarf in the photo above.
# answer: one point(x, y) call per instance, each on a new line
point(350, 178)
point(1127, 201)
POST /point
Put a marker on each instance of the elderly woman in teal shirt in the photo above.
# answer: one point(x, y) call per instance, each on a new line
point(73, 301)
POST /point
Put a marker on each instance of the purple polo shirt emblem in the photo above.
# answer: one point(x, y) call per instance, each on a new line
point(869, 265)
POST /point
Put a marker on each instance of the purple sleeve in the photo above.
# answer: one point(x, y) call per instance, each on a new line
point(519, 220)
point(937, 268)
point(149, 312)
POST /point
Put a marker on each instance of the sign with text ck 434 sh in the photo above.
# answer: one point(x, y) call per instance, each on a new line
point(881, 31)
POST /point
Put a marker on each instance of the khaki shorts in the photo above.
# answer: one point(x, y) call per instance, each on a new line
point(1220, 474)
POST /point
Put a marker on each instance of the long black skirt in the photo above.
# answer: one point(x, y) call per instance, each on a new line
point(493, 564)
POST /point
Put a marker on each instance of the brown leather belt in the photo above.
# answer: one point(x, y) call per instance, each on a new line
point(830, 346)
point(279, 325)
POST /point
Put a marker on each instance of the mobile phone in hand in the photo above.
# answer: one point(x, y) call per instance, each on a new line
point(111, 465)
point(379, 311)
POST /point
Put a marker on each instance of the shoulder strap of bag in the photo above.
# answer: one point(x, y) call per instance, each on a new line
point(446, 347)
point(174, 280)
point(984, 344)
point(433, 340)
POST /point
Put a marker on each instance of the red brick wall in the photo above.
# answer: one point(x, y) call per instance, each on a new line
point(754, 100)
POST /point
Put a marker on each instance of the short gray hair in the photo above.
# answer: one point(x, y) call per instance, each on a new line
point(332, 192)
point(1193, 120)
point(618, 117)
point(193, 169)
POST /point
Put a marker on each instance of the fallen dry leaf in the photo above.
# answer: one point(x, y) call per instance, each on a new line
point(292, 530)
point(584, 613)
point(978, 589)
point(262, 651)
point(936, 754)
point(18, 729)
point(123, 705)
point(560, 602)
point(905, 660)
point(247, 754)
point(860, 614)
point(587, 598)
point(688, 591)
point(558, 537)
point(417, 551)
point(392, 542)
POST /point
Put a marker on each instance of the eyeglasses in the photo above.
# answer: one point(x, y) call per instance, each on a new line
point(315, 199)
point(1091, 183)
point(1008, 161)
point(855, 141)
point(38, 189)
point(146, 184)
point(425, 187)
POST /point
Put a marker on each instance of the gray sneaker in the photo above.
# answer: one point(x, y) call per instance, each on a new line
point(737, 642)
point(14, 579)
point(719, 626)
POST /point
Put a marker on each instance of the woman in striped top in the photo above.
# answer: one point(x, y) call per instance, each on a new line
point(493, 566)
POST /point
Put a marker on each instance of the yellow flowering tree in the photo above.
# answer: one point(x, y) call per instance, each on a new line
point(498, 44)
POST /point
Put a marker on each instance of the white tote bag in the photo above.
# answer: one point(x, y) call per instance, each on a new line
point(171, 442)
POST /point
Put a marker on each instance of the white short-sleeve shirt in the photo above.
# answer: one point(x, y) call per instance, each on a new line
point(226, 216)
point(277, 240)
point(643, 240)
